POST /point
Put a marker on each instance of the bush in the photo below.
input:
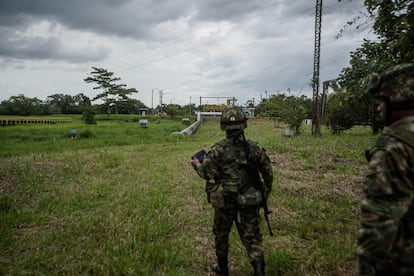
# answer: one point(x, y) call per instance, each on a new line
point(88, 115)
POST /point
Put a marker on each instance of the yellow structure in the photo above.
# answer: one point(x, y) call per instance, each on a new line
point(213, 107)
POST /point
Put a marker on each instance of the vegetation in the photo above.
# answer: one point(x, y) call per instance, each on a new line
point(113, 94)
point(23, 106)
point(109, 131)
point(393, 24)
point(66, 104)
point(121, 199)
point(290, 109)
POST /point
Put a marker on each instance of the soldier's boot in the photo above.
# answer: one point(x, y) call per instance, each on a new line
point(221, 267)
point(258, 267)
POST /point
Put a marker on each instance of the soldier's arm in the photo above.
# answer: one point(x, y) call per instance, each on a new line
point(265, 167)
point(208, 168)
point(387, 197)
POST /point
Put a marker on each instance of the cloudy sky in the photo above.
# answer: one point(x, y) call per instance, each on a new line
point(186, 48)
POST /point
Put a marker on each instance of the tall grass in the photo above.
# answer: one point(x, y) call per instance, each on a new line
point(126, 200)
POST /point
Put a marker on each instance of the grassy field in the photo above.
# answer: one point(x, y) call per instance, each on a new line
point(121, 199)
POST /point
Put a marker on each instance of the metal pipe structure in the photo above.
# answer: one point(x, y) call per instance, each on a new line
point(316, 130)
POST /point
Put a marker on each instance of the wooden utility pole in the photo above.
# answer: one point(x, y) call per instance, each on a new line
point(316, 129)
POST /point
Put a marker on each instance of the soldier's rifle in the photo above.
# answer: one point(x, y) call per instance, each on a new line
point(255, 181)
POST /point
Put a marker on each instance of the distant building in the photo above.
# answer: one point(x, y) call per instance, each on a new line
point(249, 112)
point(307, 122)
point(212, 107)
point(143, 111)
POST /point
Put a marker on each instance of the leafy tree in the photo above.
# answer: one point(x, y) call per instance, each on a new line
point(67, 104)
point(351, 105)
point(339, 117)
point(113, 93)
point(60, 103)
point(250, 103)
point(172, 109)
point(129, 106)
point(393, 25)
point(270, 106)
point(294, 112)
point(23, 106)
point(290, 109)
point(188, 110)
point(81, 100)
point(345, 111)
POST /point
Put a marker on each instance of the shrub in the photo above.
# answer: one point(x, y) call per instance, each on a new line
point(88, 115)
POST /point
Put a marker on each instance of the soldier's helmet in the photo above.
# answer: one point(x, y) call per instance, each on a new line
point(233, 118)
point(396, 85)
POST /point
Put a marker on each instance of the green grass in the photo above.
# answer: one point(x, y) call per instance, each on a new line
point(125, 200)
point(114, 130)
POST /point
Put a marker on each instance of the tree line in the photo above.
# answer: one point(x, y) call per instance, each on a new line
point(115, 98)
point(22, 105)
point(63, 104)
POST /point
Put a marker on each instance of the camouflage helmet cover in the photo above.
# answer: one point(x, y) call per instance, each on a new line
point(396, 84)
point(233, 118)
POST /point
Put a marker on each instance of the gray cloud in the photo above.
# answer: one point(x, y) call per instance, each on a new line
point(117, 18)
point(35, 47)
point(188, 47)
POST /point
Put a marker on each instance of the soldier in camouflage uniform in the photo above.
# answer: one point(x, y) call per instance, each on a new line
point(386, 237)
point(225, 163)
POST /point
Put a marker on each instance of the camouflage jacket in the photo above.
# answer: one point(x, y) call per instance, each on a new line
point(386, 237)
point(226, 160)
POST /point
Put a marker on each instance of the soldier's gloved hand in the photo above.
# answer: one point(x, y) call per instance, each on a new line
point(194, 162)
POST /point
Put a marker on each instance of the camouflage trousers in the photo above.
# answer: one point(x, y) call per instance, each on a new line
point(247, 221)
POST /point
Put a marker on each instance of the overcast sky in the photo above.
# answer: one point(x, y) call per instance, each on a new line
point(186, 48)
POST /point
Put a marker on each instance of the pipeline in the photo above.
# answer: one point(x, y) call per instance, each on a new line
point(190, 129)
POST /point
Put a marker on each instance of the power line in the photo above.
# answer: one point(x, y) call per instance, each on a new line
point(23, 14)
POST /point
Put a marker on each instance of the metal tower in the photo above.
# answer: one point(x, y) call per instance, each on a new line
point(316, 130)
point(161, 103)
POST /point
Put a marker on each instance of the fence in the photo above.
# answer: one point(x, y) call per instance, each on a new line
point(9, 121)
